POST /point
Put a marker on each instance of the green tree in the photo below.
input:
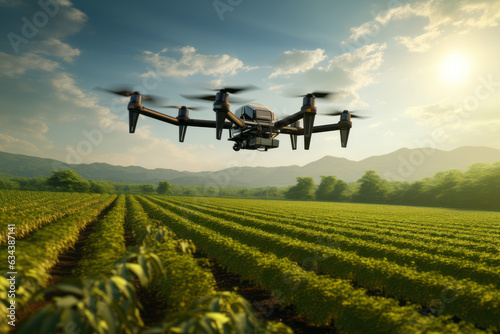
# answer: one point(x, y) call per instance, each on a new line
point(164, 187)
point(146, 188)
point(68, 180)
point(6, 183)
point(342, 191)
point(304, 189)
point(101, 187)
point(326, 188)
point(448, 187)
point(372, 188)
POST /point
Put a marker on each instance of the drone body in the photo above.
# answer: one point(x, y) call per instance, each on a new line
point(251, 127)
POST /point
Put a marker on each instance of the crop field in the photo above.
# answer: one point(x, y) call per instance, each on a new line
point(313, 266)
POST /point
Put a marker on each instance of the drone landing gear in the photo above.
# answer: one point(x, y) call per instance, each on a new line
point(236, 147)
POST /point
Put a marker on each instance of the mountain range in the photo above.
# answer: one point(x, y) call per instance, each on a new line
point(401, 165)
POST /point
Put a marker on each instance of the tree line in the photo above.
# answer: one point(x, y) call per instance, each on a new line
point(70, 181)
point(476, 188)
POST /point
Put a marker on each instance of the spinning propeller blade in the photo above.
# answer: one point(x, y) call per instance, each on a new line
point(230, 90)
point(235, 90)
point(127, 92)
point(318, 94)
point(338, 113)
point(180, 107)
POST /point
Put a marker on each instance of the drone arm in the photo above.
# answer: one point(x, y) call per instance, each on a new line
point(343, 126)
point(316, 129)
point(326, 128)
point(290, 130)
point(289, 120)
point(205, 124)
point(235, 120)
point(157, 115)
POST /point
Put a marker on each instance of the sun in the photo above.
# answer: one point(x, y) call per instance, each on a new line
point(455, 68)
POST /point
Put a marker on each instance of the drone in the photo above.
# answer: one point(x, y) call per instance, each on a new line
point(251, 127)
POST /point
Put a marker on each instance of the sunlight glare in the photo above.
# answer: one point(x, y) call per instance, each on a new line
point(455, 68)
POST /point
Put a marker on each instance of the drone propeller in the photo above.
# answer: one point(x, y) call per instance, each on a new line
point(235, 90)
point(230, 90)
point(199, 97)
point(127, 92)
point(212, 98)
point(318, 95)
point(180, 107)
point(338, 113)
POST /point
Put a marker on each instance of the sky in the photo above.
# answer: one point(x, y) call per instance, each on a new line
point(426, 72)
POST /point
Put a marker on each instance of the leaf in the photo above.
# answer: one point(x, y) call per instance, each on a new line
point(108, 316)
point(139, 272)
point(66, 301)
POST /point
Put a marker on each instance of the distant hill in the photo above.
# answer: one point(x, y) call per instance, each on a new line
point(402, 165)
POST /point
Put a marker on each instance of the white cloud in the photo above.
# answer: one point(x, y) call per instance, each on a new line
point(419, 43)
point(278, 89)
point(297, 61)
point(67, 21)
point(372, 28)
point(66, 89)
point(216, 83)
point(11, 66)
point(11, 144)
point(346, 73)
point(191, 63)
point(375, 125)
point(10, 3)
point(358, 69)
point(37, 129)
point(435, 114)
point(56, 48)
point(480, 14)
point(458, 15)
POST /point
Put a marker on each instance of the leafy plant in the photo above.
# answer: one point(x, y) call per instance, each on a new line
point(102, 304)
point(224, 312)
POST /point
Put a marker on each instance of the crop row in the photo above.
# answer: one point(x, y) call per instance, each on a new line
point(432, 221)
point(185, 280)
point(451, 266)
point(383, 235)
point(353, 222)
point(39, 252)
point(451, 220)
point(16, 199)
point(473, 302)
point(106, 244)
point(33, 219)
point(321, 298)
point(17, 202)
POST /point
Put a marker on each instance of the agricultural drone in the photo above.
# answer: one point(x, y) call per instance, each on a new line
point(251, 127)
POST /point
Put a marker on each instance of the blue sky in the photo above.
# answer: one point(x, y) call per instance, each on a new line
point(426, 71)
